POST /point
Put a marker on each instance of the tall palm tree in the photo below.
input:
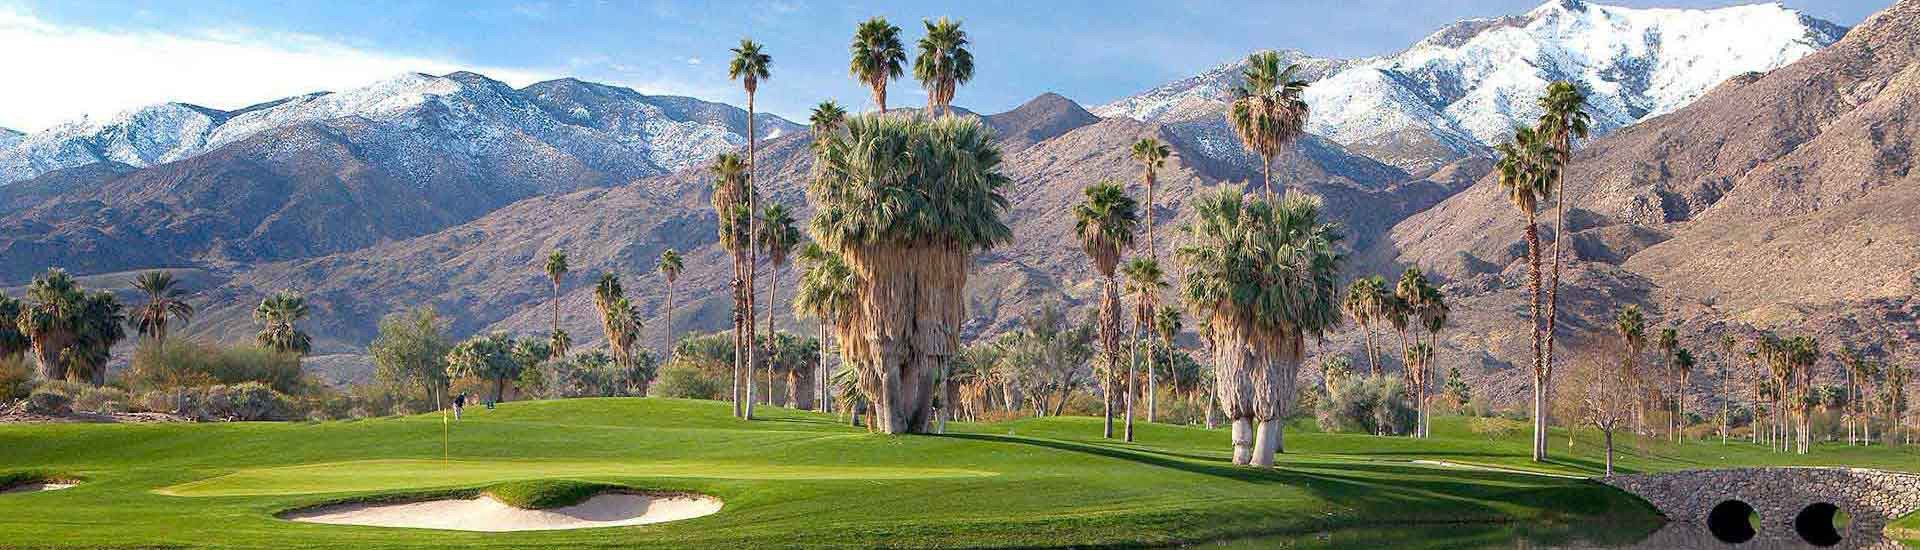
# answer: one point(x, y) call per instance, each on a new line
point(878, 57)
point(166, 301)
point(1668, 341)
point(943, 63)
point(1365, 303)
point(750, 66)
point(1166, 325)
point(1434, 312)
point(556, 268)
point(777, 239)
point(1683, 363)
point(729, 196)
point(1268, 111)
point(1145, 281)
point(101, 324)
point(1152, 156)
point(1265, 278)
point(1526, 182)
point(908, 201)
point(558, 343)
point(1105, 223)
point(670, 267)
point(1564, 118)
point(279, 316)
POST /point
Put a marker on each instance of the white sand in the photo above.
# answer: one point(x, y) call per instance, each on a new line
point(38, 487)
point(486, 514)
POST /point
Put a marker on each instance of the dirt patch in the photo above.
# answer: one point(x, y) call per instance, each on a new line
point(483, 513)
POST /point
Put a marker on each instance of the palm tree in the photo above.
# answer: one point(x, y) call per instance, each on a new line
point(943, 63)
point(1433, 317)
point(556, 268)
point(618, 317)
point(750, 66)
point(1267, 111)
point(279, 316)
point(908, 201)
point(558, 343)
point(1667, 342)
point(491, 357)
point(729, 193)
point(829, 291)
point(1145, 281)
point(165, 301)
point(1527, 182)
point(827, 117)
point(1105, 223)
point(670, 267)
point(1166, 325)
point(12, 341)
point(49, 320)
point(1564, 118)
point(1265, 278)
point(101, 324)
point(1365, 303)
point(877, 57)
point(1152, 156)
point(776, 239)
point(1683, 363)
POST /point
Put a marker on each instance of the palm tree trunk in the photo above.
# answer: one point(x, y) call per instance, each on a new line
point(1533, 320)
point(739, 333)
point(1132, 359)
point(556, 306)
point(1153, 386)
point(753, 252)
point(1559, 240)
point(1266, 168)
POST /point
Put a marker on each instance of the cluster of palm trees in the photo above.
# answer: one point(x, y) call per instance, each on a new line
point(1532, 168)
point(71, 331)
point(877, 253)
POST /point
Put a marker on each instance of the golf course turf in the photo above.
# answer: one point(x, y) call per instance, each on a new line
point(806, 479)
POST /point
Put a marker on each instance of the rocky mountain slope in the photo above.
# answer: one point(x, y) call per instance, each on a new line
point(1782, 201)
point(1462, 89)
point(177, 185)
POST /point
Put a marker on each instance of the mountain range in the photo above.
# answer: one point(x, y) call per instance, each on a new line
point(1730, 142)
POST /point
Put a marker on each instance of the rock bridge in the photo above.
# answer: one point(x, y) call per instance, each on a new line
point(1789, 503)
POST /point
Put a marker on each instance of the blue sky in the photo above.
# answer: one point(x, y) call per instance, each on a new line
point(101, 56)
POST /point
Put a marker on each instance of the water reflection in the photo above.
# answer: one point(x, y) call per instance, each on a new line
point(1672, 536)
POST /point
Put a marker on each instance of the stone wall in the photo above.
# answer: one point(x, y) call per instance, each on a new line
point(1872, 498)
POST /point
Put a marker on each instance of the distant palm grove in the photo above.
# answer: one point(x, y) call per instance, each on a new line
point(1213, 311)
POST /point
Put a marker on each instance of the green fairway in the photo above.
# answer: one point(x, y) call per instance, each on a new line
point(805, 479)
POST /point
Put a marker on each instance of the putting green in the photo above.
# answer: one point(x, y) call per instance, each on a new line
point(387, 475)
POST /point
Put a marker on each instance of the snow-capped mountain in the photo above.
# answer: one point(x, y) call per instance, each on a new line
point(8, 137)
point(622, 132)
point(1463, 88)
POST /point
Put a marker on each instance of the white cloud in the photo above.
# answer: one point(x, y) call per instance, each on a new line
point(57, 73)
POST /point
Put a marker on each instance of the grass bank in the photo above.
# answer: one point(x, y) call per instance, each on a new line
point(795, 478)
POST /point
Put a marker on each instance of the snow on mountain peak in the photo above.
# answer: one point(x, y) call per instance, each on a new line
point(1464, 87)
point(463, 113)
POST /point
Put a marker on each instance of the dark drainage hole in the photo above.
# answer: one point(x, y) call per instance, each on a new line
point(1733, 522)
point(1818, 524)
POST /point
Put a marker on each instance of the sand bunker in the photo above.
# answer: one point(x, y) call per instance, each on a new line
point(483, 513)
point(38, 486)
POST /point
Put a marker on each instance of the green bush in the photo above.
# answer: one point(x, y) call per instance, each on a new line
point(687, 382)
point(1375, 404)
point(183, 363)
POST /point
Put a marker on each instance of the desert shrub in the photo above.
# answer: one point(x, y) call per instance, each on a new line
point(103, 400)
point(183, 363)
point(596, 374)
point(16, 376)
point(1374, 404)
point(688, 383)
point(239, 402)
point(49, 401)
